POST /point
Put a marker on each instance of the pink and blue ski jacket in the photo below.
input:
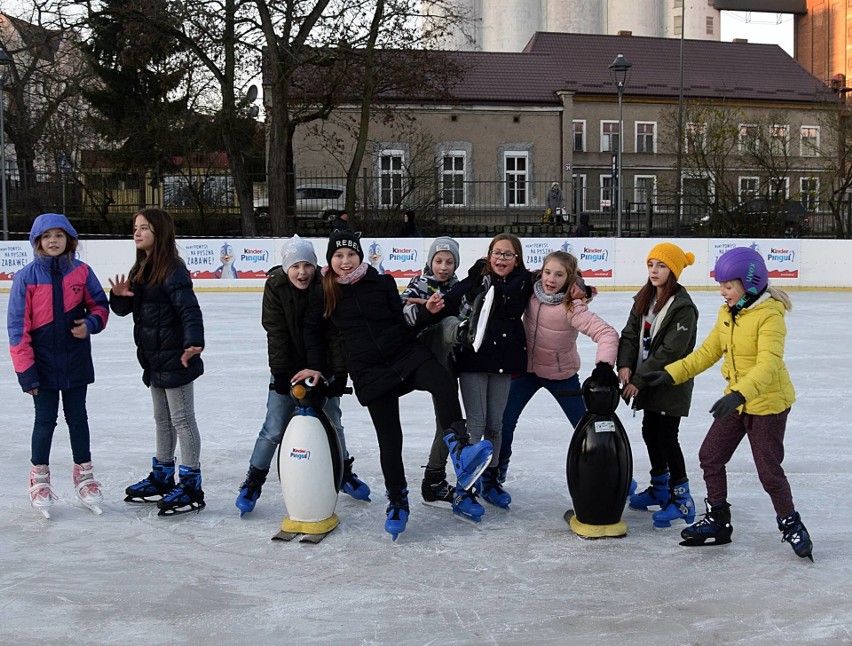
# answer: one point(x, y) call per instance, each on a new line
point(47, 296)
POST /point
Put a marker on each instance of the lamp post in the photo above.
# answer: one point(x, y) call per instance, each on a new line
point(619, 69)
point(5, 61)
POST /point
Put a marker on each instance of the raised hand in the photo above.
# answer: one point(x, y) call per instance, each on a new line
point(120, 285)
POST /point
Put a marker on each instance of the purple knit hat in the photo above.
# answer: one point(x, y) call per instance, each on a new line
point(745, 265)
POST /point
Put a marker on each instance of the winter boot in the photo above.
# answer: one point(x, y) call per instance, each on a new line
point(159, 482)
point(656, 495)
point(715, 526)
point(250, 490)
point(503, 467)
point(435, 490)
point(466, 507)
point(88, 489)
point(492, 490)
point(633, 487)
point(397, 512)
point(41, 493)
point(352, 484)
point(795, 533)
point(187, 496)
point(679, 507)
point(469, 460)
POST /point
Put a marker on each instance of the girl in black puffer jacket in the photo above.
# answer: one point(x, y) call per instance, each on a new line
point(385, 362)
point(169, 335)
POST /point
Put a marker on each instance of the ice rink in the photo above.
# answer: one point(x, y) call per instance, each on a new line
point(521, 577)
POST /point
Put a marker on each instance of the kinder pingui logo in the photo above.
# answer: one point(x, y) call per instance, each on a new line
point(300, 454)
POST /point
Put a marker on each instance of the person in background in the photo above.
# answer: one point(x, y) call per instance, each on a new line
point(555, 201)
point(408, 228)
point(169, 333)
point(341, 222)
point(749, 337)
point(583, 229)
point(55, 304)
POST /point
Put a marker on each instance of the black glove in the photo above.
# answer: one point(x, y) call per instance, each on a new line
point(727, 404)
point(476, 269)
point(337, 386)
point(280, 384)
point(605, 375)
point(657, 378)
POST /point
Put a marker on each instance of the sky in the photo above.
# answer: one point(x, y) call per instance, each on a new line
point(759, 28)
point(129, 577)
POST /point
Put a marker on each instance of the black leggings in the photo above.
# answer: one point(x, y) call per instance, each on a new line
point(660, 435)
point(384, 411)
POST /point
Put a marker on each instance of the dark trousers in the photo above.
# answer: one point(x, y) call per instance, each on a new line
point(431, 377)
point(660, 435)
point(47, 412)
point(766, 437)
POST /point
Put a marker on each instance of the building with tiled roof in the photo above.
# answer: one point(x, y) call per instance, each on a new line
point(513, 124)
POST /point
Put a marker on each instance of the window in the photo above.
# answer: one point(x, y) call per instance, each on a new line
point(695, 133)
point(606, 192)
point(709, 26)
point(609, 136)
point(579, 193)
point(749, 138)
point(645, 137)
point(213, 190)
point(779, 188)
point(809, 141)
point(452, 178)
point(809, 189)
point(390, 177)
point(645, 189)
point(778, 140)
point(579, 136)
point(516, 164)
point(749, 187)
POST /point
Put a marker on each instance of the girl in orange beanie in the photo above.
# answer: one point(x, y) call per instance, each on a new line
point(661, 328)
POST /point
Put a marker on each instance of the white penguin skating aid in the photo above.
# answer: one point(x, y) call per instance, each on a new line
point(310, 466)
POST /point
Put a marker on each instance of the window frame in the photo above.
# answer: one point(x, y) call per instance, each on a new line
point(608, 136)
point(644, 136)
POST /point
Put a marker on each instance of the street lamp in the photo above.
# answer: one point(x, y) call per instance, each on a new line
point(5, 61)
point(619, 70)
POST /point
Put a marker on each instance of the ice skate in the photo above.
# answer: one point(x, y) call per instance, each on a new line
point(657, 495)
point(352, 484)
point(679, 507)
point(492, 491)
point(466, 507)
point(186, 497)
point(397, 512)
point(435, 490)
point(479, 318)
point(793, 531)
point(469, 460)
point(87, 488)
point(41, 493)
point(715, 526)
point(250, 490)
point(157, 484)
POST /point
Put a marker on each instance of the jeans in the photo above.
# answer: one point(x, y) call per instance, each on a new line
point(47, 412)
point(174, 419)
point(521, 392)
point(278, 410)
point(485, 395)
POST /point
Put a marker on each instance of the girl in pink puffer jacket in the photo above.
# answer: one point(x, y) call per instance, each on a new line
point(555, 315)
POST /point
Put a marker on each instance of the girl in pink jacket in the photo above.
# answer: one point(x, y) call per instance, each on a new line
point(555, 315)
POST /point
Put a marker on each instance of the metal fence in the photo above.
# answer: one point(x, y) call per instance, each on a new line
point(103, 203)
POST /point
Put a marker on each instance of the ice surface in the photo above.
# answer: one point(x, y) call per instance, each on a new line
point(129, 577)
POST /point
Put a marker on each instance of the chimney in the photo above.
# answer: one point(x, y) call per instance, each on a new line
point(625, 32)
point(740, 40)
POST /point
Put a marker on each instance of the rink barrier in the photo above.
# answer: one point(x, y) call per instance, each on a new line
point(607, 263)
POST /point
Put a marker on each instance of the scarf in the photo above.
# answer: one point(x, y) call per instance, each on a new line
point(351, 278)
point(547, 299)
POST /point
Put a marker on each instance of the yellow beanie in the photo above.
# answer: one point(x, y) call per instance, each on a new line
point(673, 257)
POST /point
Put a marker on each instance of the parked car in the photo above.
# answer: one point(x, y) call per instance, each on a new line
point(760, 217)
point(312, 201)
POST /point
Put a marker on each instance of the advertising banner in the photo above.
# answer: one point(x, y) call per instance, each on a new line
point(400, 258)
point(14, 256)
point(781, 256)
point(594, 255)
point(227, 260)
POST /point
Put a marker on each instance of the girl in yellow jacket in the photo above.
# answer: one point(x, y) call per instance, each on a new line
point(749, 337)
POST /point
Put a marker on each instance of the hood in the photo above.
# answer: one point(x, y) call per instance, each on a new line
point(51, 221)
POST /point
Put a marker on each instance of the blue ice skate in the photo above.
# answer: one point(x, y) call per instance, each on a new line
point(466, 507)
point(679, 507)
point(250, 490)
point(657, 494)
point(157, 484)
point(469, 460)
point(352, 484)
point(397, 511)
